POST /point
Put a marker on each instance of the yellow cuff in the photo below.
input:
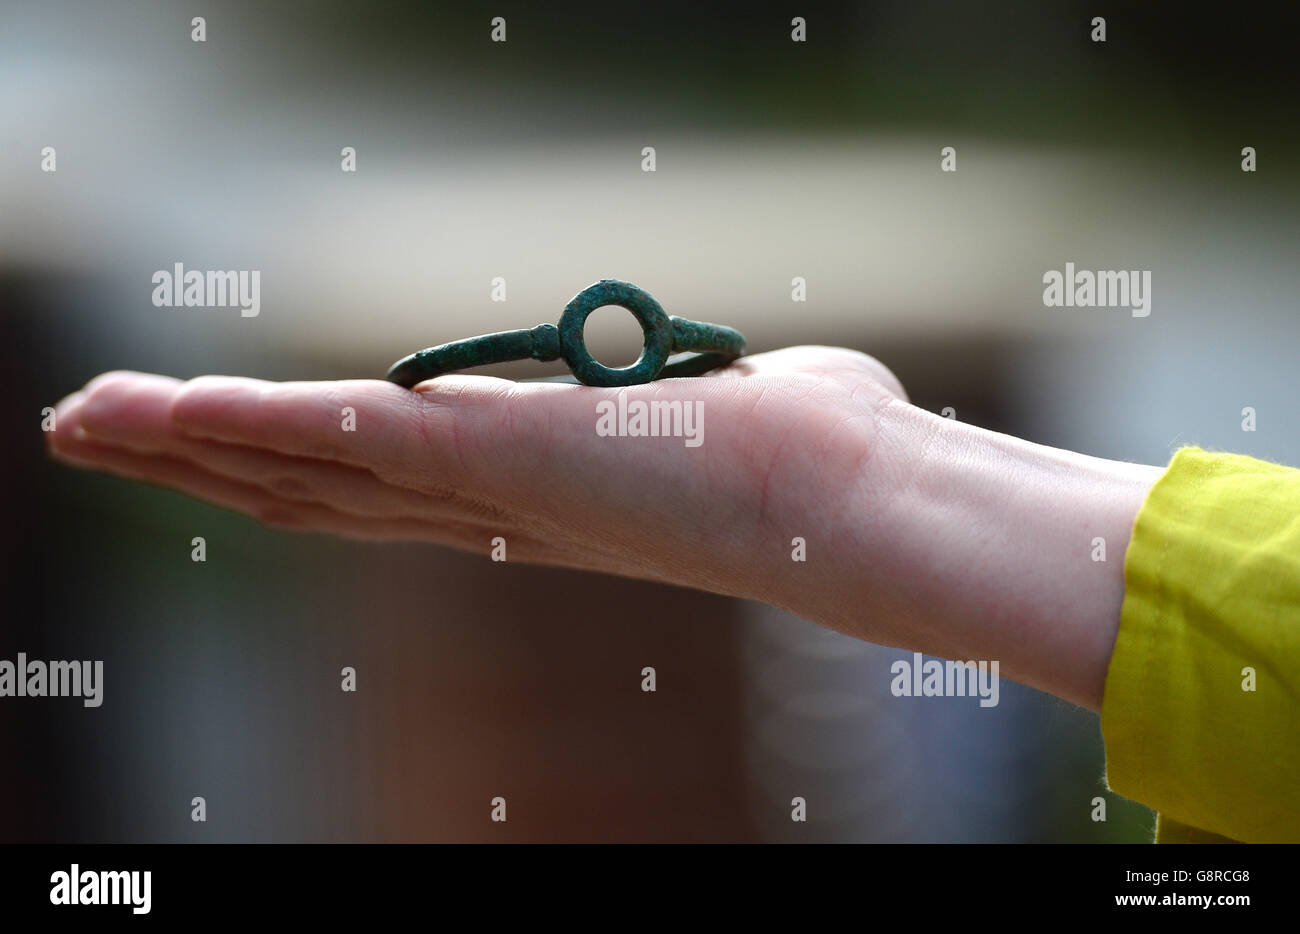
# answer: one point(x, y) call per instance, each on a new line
point(1201, 713)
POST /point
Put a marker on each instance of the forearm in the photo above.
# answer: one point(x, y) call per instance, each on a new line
point(983, 549)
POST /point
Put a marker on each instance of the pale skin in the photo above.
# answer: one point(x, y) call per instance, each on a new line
point(921, 532)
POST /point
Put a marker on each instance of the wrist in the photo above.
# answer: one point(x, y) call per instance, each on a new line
point(977, 545)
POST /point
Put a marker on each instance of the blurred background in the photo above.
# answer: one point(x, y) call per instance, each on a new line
point(523, 160)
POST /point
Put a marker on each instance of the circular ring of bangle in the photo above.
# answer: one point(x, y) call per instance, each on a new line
point(709, 345)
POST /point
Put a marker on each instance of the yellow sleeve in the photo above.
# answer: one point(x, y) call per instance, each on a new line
point(1201, 712)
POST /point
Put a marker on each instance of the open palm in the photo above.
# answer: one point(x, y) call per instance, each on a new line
point(464, 460)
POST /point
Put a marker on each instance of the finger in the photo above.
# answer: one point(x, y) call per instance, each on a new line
point(74, 445)
point(813, 358)
point(399, 435)
point(361, 422)
point(267, 508)
point(133, 410)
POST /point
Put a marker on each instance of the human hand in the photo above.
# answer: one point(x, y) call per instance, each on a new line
point(920, 532)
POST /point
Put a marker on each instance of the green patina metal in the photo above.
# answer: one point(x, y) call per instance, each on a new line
point(708, 345)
